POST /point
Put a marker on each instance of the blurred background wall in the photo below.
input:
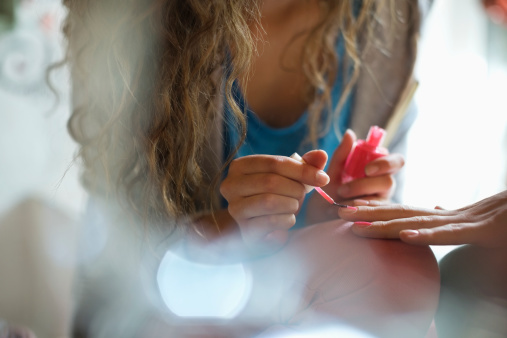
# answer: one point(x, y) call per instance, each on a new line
point(457, 147)
point(40, 195)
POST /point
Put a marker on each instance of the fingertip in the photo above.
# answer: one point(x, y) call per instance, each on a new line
point(317, 158)
point(347, 213)
point(362, 224)
point(350, 133)
point(413, 237)
point(349, 137)
point(348, 209)
point(322, 178)
point(323, 152)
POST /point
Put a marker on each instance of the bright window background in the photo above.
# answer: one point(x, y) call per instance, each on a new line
point(458, 145)
point(36, 150)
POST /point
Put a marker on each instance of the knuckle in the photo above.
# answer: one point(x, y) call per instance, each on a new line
point(308, 173)
point(269, 203)
point(275, 162)
point(453, 227)
point(404, 208)
point(270, 183)
point(468, 216)
point(422, 219)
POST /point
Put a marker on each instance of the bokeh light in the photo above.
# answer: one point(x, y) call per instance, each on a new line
point(192, 289)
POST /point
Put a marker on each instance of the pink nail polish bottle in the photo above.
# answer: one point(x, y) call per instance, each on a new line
point(364, 152)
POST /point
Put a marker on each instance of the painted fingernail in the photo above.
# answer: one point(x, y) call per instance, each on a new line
point(362, 224)
point(370, 170)
point(322, 177)
point(349, 209)
point(411, 233)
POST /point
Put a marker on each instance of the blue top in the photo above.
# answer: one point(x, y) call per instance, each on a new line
point(263, 139)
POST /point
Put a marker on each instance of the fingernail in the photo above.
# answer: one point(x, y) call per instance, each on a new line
point(361, 202)
point(362, 224)
point(371, 169)
point(411, 233)
point(343, 190)
point(322, 177)
point(348, 210)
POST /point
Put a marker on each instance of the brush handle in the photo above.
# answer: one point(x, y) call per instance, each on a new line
point(296, 156)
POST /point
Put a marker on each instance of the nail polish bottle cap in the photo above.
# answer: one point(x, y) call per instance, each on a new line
point(375, 136)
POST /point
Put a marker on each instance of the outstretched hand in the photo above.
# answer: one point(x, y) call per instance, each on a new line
point(483, 223)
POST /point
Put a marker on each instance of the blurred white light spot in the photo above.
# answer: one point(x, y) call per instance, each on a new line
point(326, 332)
point(192, 289)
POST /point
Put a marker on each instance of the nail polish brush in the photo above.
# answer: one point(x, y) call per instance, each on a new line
point(318, 189)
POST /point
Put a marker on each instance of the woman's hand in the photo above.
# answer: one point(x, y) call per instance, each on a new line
point(483, 223)
point(378, 184)
point(266, 192)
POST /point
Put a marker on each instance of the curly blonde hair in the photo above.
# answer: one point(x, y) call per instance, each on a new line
point(148, 81)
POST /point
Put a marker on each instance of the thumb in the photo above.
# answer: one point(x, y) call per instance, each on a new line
point(340, 154)
point(316, 158)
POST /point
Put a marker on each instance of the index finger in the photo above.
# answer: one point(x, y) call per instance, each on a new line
point(281, 165)
point(392, 229)
point(388, 212)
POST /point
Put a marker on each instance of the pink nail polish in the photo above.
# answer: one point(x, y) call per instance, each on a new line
point(349, 209)
point(364, 152)
point(362, 224)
